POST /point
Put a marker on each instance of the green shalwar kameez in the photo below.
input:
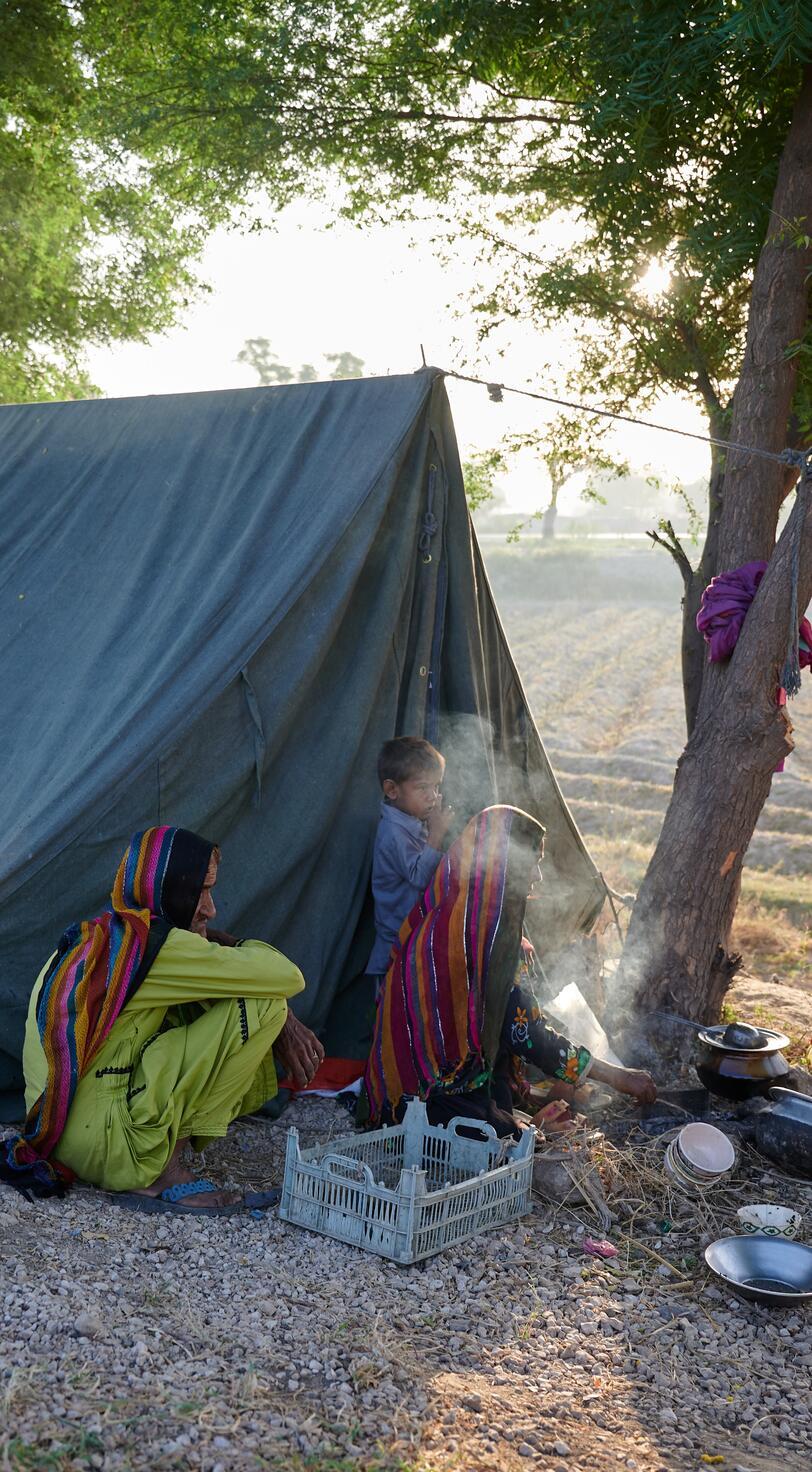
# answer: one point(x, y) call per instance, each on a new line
point(189, 1053)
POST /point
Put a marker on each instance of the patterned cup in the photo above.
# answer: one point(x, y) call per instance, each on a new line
point(769, 1221)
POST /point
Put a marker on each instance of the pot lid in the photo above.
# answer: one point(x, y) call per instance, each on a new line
point(740, 1037)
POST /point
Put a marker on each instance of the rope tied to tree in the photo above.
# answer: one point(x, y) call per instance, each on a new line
point(791, 672)
point(497, 391)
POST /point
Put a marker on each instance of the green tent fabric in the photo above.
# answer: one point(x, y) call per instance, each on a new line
point(215, 608)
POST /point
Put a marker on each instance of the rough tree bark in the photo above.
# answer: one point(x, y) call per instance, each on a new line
point(676, 955)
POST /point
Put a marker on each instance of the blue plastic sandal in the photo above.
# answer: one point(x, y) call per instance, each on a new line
point(186, 1188)
point(172, 1199)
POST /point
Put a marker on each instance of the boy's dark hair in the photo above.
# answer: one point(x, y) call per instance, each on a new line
point(405, 757)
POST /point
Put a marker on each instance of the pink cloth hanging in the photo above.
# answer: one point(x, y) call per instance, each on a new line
point(725, 602)
point(722, 611)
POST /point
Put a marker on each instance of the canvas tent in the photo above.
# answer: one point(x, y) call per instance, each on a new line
point(215, 607)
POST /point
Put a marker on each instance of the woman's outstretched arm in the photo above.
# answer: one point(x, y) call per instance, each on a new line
point(633, 1081)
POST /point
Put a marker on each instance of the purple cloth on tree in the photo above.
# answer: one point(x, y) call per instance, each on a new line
point(805, 644)
point(725, 602)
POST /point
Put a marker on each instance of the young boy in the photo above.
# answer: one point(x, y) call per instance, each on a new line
point(413, 824)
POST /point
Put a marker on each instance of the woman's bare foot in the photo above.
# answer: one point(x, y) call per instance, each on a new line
point(175, 1173)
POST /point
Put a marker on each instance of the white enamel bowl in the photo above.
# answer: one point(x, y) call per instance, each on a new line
point(706, 1150)
point(769, 1221)
point(701, 1160)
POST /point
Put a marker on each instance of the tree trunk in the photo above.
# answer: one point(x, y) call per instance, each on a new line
point(694, 648)
point(549, 516)
point(779, 309)
point(676, 954)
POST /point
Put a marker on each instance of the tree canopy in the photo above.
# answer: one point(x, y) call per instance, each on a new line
point(134, 124)
point(91, 249)
point(658, 129)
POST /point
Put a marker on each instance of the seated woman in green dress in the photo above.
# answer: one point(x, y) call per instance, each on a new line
point(146, 1029)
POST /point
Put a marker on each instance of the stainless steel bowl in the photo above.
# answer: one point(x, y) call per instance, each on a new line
point(768, 1270)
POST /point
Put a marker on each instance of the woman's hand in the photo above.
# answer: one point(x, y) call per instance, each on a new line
point(221, 937)
point(299, 1051)
point(632, 1081)
point(637, 1083)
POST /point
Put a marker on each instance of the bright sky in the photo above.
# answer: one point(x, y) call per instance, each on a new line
point(313, 290)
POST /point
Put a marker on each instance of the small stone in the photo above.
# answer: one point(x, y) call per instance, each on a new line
point(562, 1449)
point(525, 1450)
point(88, 1326)
point(472, 1402)
point(668, 1417)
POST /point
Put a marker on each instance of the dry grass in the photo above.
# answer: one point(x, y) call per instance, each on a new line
point(773, 928)
point(660, 1231)
point(770, 940)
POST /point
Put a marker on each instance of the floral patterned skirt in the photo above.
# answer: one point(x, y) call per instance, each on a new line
point(526, 1038)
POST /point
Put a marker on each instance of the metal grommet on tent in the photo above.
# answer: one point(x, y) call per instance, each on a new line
point(423, 671)
point(427, 557)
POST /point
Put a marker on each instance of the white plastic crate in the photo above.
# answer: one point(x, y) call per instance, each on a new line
point(410, 1190)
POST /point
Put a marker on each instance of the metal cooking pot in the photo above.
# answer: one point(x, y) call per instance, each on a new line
point(739, 1061)
point(784, 1131)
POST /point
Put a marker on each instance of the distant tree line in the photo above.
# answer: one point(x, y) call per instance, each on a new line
point(258, 354)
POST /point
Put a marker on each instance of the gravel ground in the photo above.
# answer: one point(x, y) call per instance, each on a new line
point(133, 1342)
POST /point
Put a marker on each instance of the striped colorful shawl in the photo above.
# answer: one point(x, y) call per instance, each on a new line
point(446, 989)
point(96, 968)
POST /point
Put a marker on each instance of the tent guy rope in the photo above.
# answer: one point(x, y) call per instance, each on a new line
point(800, 458)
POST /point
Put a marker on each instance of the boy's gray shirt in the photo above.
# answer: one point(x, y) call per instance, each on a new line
point(402, 866)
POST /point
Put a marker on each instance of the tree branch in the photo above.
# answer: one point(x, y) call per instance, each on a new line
point(329, 113)
point(471, 75)
point(686, 331)
point(672, 544)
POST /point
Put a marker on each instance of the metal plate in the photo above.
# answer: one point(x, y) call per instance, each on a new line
point(770, 1270)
